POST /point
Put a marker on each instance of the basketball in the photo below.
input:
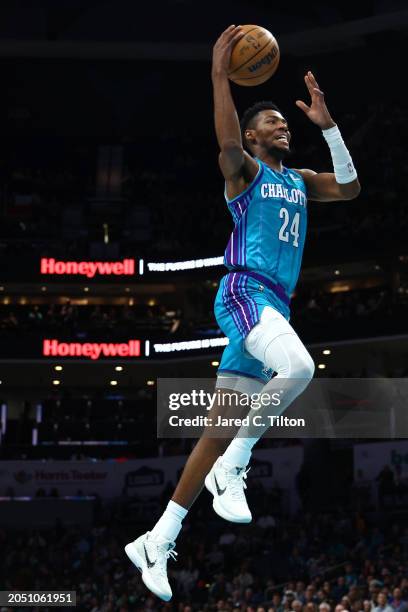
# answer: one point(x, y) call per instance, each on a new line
point(255, 58)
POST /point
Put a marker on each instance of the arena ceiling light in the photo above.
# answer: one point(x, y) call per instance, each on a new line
point(322, 366)
point(215, 363)
point(113, 383)
point(58, 368)
point(150, 383)
point(337, 272)
point(326, 352)
point(119, 368)
point(56, 382)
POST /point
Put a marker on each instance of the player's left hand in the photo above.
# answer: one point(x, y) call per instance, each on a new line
point(317, 111)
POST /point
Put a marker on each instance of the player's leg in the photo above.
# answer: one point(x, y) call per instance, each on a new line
point(211, 445)
point(151, 550)
point(226, 478)
point(199, 463)
point(274, 342)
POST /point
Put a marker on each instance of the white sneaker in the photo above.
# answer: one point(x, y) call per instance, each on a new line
point(150, 556)
point(228, 486)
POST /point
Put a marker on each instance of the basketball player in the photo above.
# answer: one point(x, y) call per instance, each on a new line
point(268, 203)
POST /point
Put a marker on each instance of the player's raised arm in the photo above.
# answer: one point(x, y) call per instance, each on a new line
point(234, 162)
point(343, 184)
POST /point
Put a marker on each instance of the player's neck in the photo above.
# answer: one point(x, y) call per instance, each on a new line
point(271, 161)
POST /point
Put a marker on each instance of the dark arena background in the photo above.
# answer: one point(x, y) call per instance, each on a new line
point(112, 232)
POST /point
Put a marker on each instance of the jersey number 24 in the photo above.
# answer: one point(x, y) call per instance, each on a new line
point(294, 228)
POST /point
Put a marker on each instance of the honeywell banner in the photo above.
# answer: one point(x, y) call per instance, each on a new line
point(54, 269)
point(126, 267)
point(91, 350)
point(142, 478)
point(92, 346)
point(89, 269)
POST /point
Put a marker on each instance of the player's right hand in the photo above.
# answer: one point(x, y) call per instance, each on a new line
point(223, 47)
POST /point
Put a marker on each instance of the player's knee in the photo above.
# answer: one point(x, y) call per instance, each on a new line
point(304, 367)
point(297, 364)
point(302, 370)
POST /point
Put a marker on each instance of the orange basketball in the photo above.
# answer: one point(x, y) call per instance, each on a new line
point(255, 57)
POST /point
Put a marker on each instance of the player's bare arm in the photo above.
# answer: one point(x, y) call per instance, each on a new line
point(237, 166)
point(323, 187)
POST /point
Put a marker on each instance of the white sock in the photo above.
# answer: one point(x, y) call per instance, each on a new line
point(238, 452)
point(169, 524)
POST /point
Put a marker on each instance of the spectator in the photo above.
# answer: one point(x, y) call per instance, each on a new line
point(382, 605)
point(397, 602)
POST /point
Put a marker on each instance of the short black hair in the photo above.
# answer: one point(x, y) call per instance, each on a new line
point(251, 113)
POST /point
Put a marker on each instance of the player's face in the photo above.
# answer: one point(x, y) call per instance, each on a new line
point(272, 133)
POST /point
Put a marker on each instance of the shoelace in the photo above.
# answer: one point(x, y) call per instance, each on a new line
point(162, 559)
point(237, 484)
point(164, 553)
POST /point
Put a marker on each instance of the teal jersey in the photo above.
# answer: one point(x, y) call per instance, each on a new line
point(270, 219)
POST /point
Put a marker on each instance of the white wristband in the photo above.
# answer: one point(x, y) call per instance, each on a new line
point(342, 163)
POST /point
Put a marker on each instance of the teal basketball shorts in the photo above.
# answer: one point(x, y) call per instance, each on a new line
point(239, 303)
